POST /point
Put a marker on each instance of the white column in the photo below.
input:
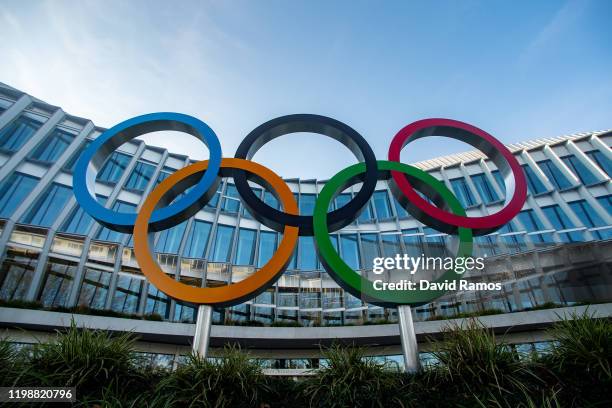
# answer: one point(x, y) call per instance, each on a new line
point(409, 342)
point(201, 337)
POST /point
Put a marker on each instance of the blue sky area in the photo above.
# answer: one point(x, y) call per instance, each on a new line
point(518, 69)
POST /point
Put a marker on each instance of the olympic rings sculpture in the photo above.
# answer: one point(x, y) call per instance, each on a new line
point(185, 192)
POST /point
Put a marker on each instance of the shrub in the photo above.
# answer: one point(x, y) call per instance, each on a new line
point(584, 344)
point(92, 361)
point(8, 360)
point(472, 361)
point(351, 380)
point(231, 381)
point(582, 358)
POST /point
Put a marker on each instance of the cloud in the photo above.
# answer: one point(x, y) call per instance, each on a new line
point(559, 23)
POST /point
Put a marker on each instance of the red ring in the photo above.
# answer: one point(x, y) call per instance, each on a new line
point(480, 225)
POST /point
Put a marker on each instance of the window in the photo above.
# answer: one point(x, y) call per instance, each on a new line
point(270, 200)
point(342, 200)
point(197, 240)
point(401, 212)
point(587, 215)
point(140, 176)
point(307, 203)
point(606, 202)
point(516, 242)
point(463, 192)
point(245, 213)
point(486, 246)
point(381, 203)
point(214, 201)
point(267, 246)
point(532, 224)
point(158, 303)
point(366, 215)
point(391, 245)
point(69, 166)
point(114, 167)
point(17, 133)
point(163, 174)
point(556, 177)
point(413, 242)
point(533, 181)
point(223, 243)
point(52, 148)
point(601, 160)
point(245, 249)
point(94, 288)
point(59, 277)
point(185, 312)
point(79, 221)
point(486, 191)
point(308, 256)
point(106, 234)
point(435, 243)
point(231, 199)
point(560, 221)
point(500, 180)
point(369, 243)
point(579, 169)
point(16, 273)
point(13, 192)
point(127, 294)
point(49, 206)
point(168, 241)
point(349, 250)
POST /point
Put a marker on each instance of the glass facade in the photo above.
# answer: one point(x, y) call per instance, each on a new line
point(601, 160)
point(534, 183)
point(224, 243)
point(53, 146)
point(105, 234)
point(114, 167)
point(560, 221)
point(46, 210)
point(94, 289)
point(580, 169)
point(13, 191)
point(17, 133)
point(590, 218)
point(554, 175)
point(462, 192)
point(58, 281)
point(245, 248)
point(485, 190)
point(140, 177)
point(79, 222)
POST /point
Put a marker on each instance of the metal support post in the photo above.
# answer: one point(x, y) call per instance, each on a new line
point(201, 337)
point(409, 342)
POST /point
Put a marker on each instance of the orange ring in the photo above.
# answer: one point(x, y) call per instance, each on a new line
point(232, 293)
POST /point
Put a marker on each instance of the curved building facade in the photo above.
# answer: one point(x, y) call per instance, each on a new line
point(57, 262)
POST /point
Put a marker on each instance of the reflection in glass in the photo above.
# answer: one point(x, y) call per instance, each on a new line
point(58, 280)
point(17, 272)
point(94, 288)
point(13, 191)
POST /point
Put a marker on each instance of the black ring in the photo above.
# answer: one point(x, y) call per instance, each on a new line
point(349, 137)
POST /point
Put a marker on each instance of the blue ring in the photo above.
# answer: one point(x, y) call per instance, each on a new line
point(92, 159)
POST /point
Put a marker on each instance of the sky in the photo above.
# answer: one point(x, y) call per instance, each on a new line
point(518, 69)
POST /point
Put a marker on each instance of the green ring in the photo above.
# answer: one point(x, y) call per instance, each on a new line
point(351, 280)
